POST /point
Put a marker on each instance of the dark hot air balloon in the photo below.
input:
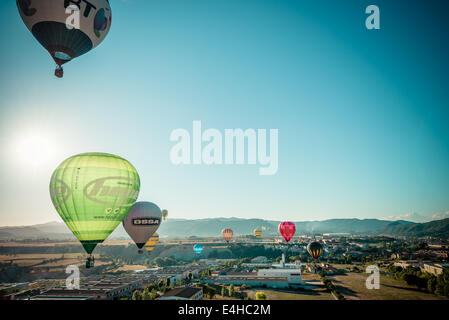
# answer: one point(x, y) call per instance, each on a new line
point(315, 249)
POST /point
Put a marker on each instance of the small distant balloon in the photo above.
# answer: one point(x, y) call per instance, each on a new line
point(198, 248)
point(152, 242)
point(227, 234)
point(164, 214)
point(258, 233)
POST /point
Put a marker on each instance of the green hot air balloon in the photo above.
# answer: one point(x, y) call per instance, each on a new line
point(93, 193)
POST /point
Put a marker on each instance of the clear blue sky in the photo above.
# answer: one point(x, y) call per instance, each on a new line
point(362, 115)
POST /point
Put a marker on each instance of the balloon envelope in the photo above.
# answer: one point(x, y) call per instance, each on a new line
point(227, 234)
point(258, 233)
point(198, 248)
point(315, 249)
point(287, 230)
point(142, 222)
point(93, 193)
point(152, 242)
point(51, 23)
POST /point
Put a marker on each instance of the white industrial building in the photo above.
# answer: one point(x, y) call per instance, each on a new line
point(281, 276)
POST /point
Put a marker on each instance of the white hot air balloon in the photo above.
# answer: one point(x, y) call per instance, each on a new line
point(142, 222)
point(67, 29)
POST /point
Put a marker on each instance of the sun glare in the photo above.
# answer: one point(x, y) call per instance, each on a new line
point(35, 150)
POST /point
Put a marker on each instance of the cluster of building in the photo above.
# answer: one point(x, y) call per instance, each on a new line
point(425, 266)
point(111, 287)
point(259, 273)
point(421, 254)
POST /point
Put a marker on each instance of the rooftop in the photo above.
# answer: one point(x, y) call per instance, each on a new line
point(247, 278)
point(183, 292)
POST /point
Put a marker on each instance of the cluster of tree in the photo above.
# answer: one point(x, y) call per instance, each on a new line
point(332, 257)
point(129, 255)
point(145, 295)
point(419, 246)
point(11, 272)
point(240, 251)
point(438, 285)
point(260, 295)
point(228, 292)
point(49, 261)
point(122, 254)
point(340, 259)
point(208, 290)
point(153, 290)
point(230, 264)
point(330, 286)
point(62, 249)
point(4, 292)
point(205, 273)
point(165, 262)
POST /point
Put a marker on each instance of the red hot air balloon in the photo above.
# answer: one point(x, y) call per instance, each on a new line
point(287, 229)
point(227, 234)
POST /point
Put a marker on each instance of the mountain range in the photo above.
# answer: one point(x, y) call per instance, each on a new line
point(180, 228)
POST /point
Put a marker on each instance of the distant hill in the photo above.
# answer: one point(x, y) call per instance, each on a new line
point(180, 228)
point(438, 228)
point(212, 227)
point(353, 226)
point(183, 228)
point(51, 230)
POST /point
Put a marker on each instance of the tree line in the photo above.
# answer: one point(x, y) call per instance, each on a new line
point(438, 285)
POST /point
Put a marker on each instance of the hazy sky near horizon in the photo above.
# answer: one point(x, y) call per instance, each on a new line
point(362, 115)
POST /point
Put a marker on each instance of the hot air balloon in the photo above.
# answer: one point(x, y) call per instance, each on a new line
point(198, 248)
point(264, 228)
point(258, 233)
point(164, 214)
point(227, 234)
point(287, 230)
point(315, 249)
point(93, 193)
point(66, 28)
point(142, 221)
point(152, 242)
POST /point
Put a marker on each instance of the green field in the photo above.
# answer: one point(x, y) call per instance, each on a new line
point(353, 287)
point(318, 294)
